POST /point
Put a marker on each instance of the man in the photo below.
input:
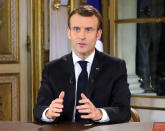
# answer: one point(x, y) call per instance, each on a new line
point(104, 97)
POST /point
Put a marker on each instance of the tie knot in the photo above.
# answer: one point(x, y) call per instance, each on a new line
point(83, 64)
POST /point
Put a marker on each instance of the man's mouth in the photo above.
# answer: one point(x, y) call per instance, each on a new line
point(81, 44)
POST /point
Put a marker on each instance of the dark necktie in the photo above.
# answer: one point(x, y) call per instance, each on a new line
point(81, 86)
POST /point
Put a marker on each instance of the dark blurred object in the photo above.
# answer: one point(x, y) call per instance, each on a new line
point(150, 55)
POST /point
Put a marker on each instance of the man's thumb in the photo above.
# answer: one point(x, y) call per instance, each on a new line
point(62, 94)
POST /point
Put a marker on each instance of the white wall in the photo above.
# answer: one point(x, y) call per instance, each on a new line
point(149, 108)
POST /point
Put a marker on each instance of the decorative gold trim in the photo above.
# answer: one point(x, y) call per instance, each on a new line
point(115, 10)
point(72, 5)
point(57, 4)
point(145, 96)
point(13, 42)
point(148, 108)
point(115, 28)
point(36, 47)
point(105, 26)
point(115, 40)
point(14, 80)
point(9, 25)
point(32, 53)
point(5, 101)
point(140, 20)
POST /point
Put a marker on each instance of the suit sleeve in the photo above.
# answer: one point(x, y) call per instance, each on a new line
point(119, 111)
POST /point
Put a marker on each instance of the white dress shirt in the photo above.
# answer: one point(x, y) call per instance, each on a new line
point(77, 68)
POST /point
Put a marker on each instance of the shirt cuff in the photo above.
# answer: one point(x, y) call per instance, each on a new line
point(105, 117)
point(44, 118)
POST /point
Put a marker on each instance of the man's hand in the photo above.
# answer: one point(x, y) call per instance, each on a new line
point(56, 107)
point(88, 107)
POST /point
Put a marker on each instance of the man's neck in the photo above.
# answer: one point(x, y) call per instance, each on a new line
point(77, 58)
point(83, 56)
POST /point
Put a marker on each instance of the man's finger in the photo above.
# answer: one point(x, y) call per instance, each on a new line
point(57, 110)
point(85, 111)
point(55, 114)
point(57, 101)
point(58, 106)
point(89, 116)
point(80, 107)
point(84, 99)
point(83, 96)
point(62, 94)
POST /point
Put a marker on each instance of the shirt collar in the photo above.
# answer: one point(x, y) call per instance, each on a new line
point(89, 59)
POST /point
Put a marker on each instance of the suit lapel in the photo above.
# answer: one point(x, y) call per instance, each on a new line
point(69, 81)
point(70, 69)
point(70, 85)
point(95, 70)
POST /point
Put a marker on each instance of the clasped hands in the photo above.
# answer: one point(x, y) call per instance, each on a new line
point(86, 106)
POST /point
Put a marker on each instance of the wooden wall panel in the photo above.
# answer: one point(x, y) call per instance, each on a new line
point(9, 97)
point(9, 31)
point(5, 101)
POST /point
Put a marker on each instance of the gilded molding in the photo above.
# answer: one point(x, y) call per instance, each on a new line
point(36, 47)
point(13, 79)
point(148, 108)
point(140, 20)
point(146, 96)
point(72, 5)
point(12, 57)
point(115, 28)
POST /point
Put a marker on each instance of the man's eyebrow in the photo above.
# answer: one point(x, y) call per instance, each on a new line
point(75, 27)
point(84, 28)
point(88, 27)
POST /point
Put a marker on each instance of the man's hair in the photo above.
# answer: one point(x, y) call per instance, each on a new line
point(86, 11)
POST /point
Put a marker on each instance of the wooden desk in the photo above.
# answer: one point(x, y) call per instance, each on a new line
point(20, 126)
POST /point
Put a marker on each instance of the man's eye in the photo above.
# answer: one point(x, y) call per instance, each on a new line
point(88, 29)
point(76, 29)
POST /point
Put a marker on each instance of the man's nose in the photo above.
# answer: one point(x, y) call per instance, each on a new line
point(82, 34)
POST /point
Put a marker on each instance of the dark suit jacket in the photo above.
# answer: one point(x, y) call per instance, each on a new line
point(107, 87)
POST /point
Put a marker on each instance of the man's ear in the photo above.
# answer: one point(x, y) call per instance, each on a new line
point(99, 33)
point(69, 33)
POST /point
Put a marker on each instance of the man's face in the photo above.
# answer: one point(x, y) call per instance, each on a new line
point(83, 34)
